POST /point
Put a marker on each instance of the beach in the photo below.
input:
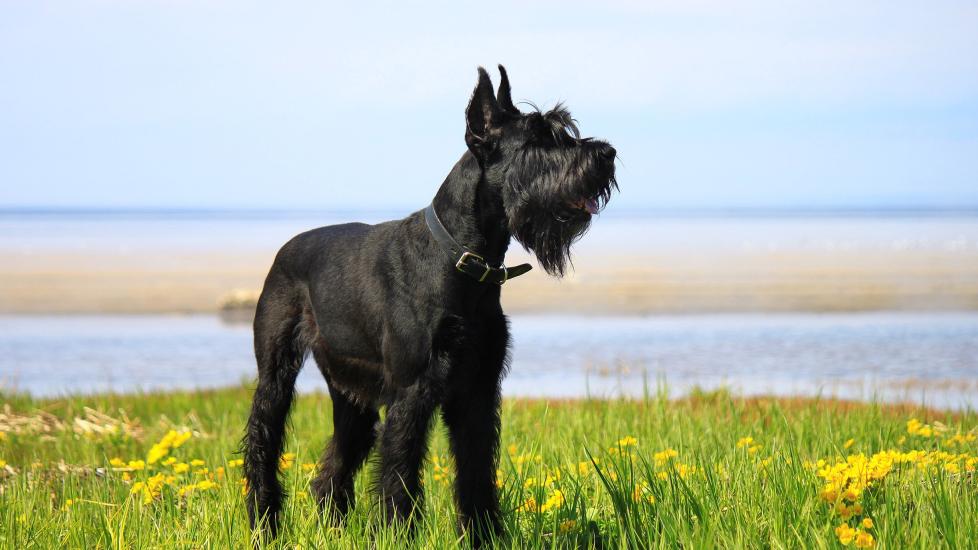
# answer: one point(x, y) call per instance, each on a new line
point(627, 265)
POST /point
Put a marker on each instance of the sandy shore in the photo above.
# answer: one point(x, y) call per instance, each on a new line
point(72, 282)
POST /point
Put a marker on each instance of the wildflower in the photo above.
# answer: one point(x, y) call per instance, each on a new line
point(499, 478)
point(181, 467)
point(68, 504)
point(567, 526)
point(136, 465)
point(529, 505)
point(169, 461)
point(584, 468)
point(664, 456)
point(512, 448)
point(237, 463)
point(627, 441)
point(745, 442)
point(197, 462)
point(286, 460)
point(556, 500)
point(845, 534)
point(306, 466)
point(156, 453)
point(206, 484)
point(244, 486)
point(867, 523)
point(864, 540)
point(849, 443)
point(117, 463)
point(3, 464)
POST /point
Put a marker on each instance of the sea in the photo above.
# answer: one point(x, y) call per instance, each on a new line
point(925, 357)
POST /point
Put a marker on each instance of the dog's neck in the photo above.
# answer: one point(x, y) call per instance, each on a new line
point(471, 208)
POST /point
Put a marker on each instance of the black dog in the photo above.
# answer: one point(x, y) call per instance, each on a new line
point(406, 314)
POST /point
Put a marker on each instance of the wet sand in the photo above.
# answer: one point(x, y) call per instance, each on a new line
point(650, 282)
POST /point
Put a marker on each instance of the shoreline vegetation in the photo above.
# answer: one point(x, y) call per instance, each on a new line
point(710, 470)
point(646, 283)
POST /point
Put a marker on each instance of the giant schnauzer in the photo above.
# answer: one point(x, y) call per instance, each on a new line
point(405, 314)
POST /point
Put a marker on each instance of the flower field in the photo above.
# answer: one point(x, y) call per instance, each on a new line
point(708, 471)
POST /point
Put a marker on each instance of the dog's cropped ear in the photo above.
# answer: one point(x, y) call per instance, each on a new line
point(504, 97)
point(481, 116)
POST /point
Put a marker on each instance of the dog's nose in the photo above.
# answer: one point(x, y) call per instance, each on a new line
point(609, 154)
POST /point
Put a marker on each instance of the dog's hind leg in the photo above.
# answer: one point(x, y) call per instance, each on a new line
point(280, 347)
point(353, 436)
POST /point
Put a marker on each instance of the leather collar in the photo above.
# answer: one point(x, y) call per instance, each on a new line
point(472, 264)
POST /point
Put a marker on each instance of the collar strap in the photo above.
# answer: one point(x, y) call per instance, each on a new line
point(467, 261)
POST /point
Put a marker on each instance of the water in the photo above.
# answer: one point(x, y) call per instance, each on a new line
point(924, 358)
point(38, 233)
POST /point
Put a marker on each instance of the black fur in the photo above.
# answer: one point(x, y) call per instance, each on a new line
point(390, 322)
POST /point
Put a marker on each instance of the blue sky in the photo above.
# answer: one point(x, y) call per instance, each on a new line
point(710, 104)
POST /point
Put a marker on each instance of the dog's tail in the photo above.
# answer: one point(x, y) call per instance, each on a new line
point(281, 342)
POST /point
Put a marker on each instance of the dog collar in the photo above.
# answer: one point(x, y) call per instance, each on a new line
point(467, 261)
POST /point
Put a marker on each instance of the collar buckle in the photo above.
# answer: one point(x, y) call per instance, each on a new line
point(462, 262)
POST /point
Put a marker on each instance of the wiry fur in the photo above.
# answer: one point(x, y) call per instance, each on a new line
point(391, 323)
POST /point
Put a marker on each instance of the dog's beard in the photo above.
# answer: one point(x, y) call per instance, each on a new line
point(550, 203)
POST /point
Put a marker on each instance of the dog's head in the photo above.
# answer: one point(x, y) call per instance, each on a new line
point(552, 180)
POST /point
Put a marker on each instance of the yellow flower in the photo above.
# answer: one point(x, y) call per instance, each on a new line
point(157, 452)
point(181, 467)
point(849, 443)
point(627, 441)
point(169, 461)
point(308, 466)
point(845, 534)
point(206, 484)
point(529, 505)
point(197, 462)
point(117, 463)
point(745, 442)
point(556, 500)
point(864, 540)
point(286, 460)
point(664, 456)
point(512, 448)
point(235, 463)
point(867, 523)
point(136, 465)
point(3, 464)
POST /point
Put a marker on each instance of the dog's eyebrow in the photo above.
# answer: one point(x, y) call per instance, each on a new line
point(560, 119)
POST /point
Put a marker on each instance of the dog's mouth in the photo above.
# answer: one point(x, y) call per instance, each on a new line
point(591, 205)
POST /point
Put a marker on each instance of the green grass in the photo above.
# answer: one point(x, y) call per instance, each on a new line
point(616, 492)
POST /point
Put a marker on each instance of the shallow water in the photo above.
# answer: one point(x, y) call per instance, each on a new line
point(925, 358)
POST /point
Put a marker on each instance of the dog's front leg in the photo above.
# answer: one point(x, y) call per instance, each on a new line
point(473, 428)
point(403, 446)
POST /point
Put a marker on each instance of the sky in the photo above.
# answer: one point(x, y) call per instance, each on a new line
point(315, 105)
